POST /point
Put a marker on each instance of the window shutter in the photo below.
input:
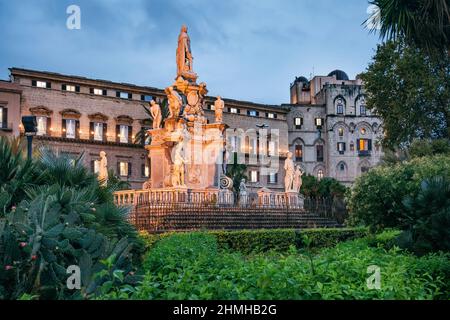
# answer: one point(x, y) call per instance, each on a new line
point(117, 94)
point(369, 144)
point(77, 129)
point(248, 112)
point(92, 166)
point(49, 125)
point(337, 148)
point(130, 96)
point(64, 133)
point(117, 132)
point(91, 90)
point(239, 111)
point(301, 121)
point(130, 134)
point(257, 113)
point(77, 88)
point(34, 83)
point(48, 85)
point(91, 130)
point(118, 168)
point(129, 169)
point(344, 145)
point(63, 87)
point(104, 92)
point(105, 132)
point(275, 115)
point(142, 97)
point(143, 169)
point(267, 114)
point(257, 176)
point(357, 144)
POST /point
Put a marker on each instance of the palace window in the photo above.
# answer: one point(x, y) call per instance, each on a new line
point(363, 131)
point(233, 110)
point(341, 132)
point(252, 113)
point(342, 167)
point(272, 148)
point(298, 122)
point(71, 128)
point(98, 131)
point(41, 125)
point(352, 146)
point(123, 95)
point(3, 118)
point(364, 146)
point(320, 174)
point(41, 84)
point(96, 166)
point(146, 98)
point(98, 92)
point(124, 169)
point(340, 107)
point(212, 107)
point(253, 146)
point(124, 133)
point(362, 110)
point(298, 153)
point(70, 88)
point(145, 170)
point(271, 115)
point(273, 178)
point(319, 123)
point(319, 153)
point(254, 176)
point(341, 147)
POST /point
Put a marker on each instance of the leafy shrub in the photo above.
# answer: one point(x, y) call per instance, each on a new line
point(176, 272)
point(326, 187)
point(428, 217)
point(376, 199)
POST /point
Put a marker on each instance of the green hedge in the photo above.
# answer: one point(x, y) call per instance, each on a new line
point(255, 241)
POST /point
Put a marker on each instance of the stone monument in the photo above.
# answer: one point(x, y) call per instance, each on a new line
point(103, 169)
point(185, 151)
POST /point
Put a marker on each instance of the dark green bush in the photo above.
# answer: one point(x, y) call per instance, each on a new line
point(376, 199)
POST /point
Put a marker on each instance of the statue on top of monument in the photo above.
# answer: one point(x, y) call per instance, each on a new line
point(184, 56)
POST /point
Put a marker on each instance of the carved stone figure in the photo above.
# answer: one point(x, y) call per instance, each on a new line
point(184, 56)
point(103, 169)
point(178, 167)
point(155, 111)
point(175, 102)
point(243, 194)
point(219, 105)
point(289, 169)
point(298, 178)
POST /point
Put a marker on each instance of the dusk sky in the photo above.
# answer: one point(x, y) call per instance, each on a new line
point(243, 49)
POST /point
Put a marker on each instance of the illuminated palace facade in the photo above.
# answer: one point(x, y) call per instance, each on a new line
point(326, 125)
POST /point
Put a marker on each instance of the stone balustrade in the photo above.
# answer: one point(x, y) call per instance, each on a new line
point(263, 198)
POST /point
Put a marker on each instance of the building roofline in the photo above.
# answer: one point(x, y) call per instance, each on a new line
point(129, 86)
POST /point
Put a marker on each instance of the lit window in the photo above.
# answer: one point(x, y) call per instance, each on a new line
point(41, 126)
point(364, 145)
point(146, 171)
point(298, 123)
point(41, 84)
point(70, 128)
point(123, 95)
point(212, 107)
point(271, 115)
point(341, 132)
point(123, 169)
point(340, 106)
point(98, 131)
point(272, 148)
point(123, 134)
point(319, 122)
point(98, 92)
point(96, 166)
point(253, 176)
point(320, 174)
point(233, 110)
point(341, 147)
point(299, 153)
point(146, 98)
point(70, 88)
point(2, 121)
point(363, 131)
point(253, 145)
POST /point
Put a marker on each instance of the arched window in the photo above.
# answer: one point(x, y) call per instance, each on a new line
point(298, 153)
point(340, 106)
point(320, 174)
point(341, 132)
point(342, 167)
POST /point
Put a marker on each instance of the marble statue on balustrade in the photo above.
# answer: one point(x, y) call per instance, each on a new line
point(175, 102)
point(243, 194)
point(178, 166)
point(155, 112)
point(184, 56)
point(219, 105)
point(103, 169)
point(289, 169)
point(298, 178)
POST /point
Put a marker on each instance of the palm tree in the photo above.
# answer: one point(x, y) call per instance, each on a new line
point(142, 135)
point(425, 23)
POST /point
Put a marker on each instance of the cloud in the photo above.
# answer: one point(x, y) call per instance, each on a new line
point(249, 50)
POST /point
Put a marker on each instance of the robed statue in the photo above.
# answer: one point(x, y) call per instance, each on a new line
point(184, 56)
